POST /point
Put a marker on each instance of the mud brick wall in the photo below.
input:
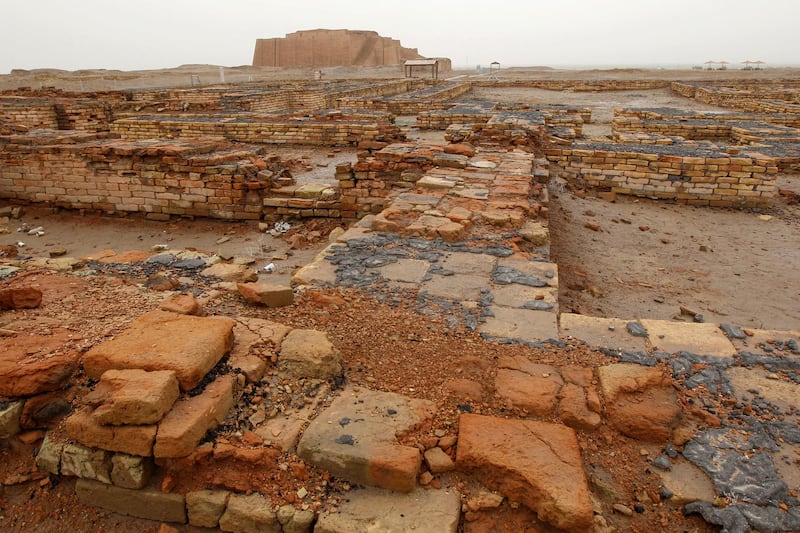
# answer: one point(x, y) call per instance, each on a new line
point(428, 99)
point(60, 114)
point(791, 121)
point(688, 129)
point(365, 186)
point(317, 133)
point(29, 113)
point(748, 96)
point(577, 85)
point(159, 178)
point(695, 178)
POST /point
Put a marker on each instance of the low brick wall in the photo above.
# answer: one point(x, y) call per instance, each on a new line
point(690, 176)
point(577, 85)
point(59, 114)
point(259, 131)
point(774, 96)
point(427, 99)
point(157, 177)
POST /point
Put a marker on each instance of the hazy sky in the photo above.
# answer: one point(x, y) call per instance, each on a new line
point(145, 34)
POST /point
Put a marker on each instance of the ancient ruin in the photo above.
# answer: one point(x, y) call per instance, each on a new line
point(334, 48)
point(421, 370)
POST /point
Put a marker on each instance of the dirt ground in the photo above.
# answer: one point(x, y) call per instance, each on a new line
point(650, 258)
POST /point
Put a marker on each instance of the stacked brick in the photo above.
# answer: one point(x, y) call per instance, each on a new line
point(159, 178)
point(750, 96)
point(683, 174)
point(60, 114)
point(257, 130)
point(578, 85)
point(429, 98)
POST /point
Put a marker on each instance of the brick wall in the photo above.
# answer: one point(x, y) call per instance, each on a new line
point(159, 178)
point(260, 131)
point(690, 176)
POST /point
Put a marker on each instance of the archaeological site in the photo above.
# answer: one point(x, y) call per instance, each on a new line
point(319, 294)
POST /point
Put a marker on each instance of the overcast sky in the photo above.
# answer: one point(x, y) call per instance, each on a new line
point(148, 34)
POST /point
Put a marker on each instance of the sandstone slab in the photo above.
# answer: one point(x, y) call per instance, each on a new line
point(148, 504)
point(133, 440)
point(181, 430)
point(702, 339)
point(458, 287)
point(375, 509)
point(309, 353)
point(574, 410)
point(133, 396)
point(640, 401)
point(356, 438)
point(406, 270)
point(183, 304)
point(249, 514)
point(28, 370)
point(527, 385)
point(320, 271)
point(231, 272)
point(190, 346)
point(602, 332)
point(468, 263)
point(268, 294)
point(256, 341)
point(784, 394)
point(520, 296)
point(536, 463)
point(522, 324)
point(20, 298)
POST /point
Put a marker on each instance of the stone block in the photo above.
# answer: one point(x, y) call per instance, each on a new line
point(190, 346)
point(375, 509)
point(231, 272)
point(205, 507)
point(182, 428)
point(701, 339)
point(356, 438)
point(133, 440)
point(527, 385)
point(536, 463)
point(523, 324)
point(24, 374)
point(438, 461)
point(309, 353)
point(147, 504)
point(267, 294)
point(86, 463)
point(602, 332)
point(20, 298)
point(183, 304)
point(640, 401)
point(130, 471)
point(133, 396)
point(10, 414)
point(249, 514)
point(49, 457)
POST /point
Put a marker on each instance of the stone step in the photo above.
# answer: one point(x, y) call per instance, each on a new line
point(356, 438)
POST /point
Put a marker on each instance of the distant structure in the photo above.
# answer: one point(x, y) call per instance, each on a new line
point(334, 48)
